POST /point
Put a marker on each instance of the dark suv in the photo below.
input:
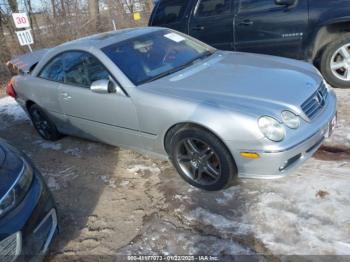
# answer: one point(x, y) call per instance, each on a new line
point(317, 31)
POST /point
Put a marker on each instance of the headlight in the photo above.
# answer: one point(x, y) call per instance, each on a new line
point(271, 128)
point(17, 191)
point(290, 119)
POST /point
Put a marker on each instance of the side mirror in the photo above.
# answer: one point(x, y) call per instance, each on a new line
point(285, 2)
point(103, 86)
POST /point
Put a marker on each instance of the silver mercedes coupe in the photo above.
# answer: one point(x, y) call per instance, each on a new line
point(216, 115)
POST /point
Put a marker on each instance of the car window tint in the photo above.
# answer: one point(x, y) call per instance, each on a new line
point(213, 7)
point(82, 69)
point(256, 5)
point(170, 11)
point(53, 70)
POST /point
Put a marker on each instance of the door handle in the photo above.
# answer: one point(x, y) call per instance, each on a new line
point(246, 22)
point(65, 96)
point(198, 28)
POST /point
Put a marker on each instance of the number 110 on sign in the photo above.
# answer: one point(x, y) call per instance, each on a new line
point(25, 37)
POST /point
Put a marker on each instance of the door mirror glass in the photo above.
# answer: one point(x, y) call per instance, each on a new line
point(103, 87)
point(285, 2)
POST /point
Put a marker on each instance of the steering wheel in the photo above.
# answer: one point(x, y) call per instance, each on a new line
point(169, 55)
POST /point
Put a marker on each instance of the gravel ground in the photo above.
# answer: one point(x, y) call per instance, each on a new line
point(113, 201)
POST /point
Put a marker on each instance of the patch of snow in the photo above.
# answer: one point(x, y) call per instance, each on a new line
point(228, 195)
point(141, 168)
point(178, 241)
point(10, 112)
point(9, 106)
point(218, 221)
point(307, 214)
point(73, 151)
point(124, 183)
point(108, 181)
point(48, 145)
point(52, 184)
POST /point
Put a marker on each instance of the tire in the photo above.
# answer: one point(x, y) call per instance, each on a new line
point(43, 125)
point(332, 58)
point(210, 167)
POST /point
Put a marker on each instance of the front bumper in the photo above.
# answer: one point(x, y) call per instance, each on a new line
point(279, 163)
point(27, 231)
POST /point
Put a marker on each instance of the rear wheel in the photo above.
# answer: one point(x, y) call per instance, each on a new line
point(335, 62)
point(202, 159)
point(43, 125)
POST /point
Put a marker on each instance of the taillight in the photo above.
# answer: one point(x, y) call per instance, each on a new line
point(10, 90)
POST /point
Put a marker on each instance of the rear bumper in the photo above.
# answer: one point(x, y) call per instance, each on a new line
point(31, 227)
point(281, 162)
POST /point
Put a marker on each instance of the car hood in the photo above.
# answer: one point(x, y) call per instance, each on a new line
point(10, 168)
point(241, 78)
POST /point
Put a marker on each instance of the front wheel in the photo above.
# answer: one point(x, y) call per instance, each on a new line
point(335, 63)
point(202, 159)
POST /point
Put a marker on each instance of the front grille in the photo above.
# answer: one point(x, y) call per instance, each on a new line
point(316, 102)
point(10, 248)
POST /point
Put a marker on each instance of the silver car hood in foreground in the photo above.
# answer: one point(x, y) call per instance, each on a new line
point(241, 79)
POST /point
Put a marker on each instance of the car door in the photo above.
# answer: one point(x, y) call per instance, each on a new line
point(110, 117)
point(172, 14)
point(212, 23)
point(44, 90)
point(263, 26)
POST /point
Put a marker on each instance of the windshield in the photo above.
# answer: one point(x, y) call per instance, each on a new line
point(151, 56)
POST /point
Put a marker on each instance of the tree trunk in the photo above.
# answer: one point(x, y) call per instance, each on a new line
point(63, 9)
point(94, 14)
point(53, 6)
point(4, 50)
point(13, 5)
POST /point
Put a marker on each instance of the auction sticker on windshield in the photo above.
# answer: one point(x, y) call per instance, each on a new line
point(175, 37)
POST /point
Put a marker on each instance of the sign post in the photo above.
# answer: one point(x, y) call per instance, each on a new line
point(24, 36)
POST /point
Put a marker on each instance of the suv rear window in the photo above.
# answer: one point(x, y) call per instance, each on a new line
point(170, 11)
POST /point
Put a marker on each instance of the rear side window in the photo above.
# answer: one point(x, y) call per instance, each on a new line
point(206, 8)
point(53, 71)
point(170, 11)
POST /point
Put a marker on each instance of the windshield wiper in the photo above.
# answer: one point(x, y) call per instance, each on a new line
point(176, 69)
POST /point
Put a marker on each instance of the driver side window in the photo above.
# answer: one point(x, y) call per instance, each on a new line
point(75, 68)
point(82, 69)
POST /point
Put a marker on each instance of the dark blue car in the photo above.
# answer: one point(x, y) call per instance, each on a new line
point(28, 220)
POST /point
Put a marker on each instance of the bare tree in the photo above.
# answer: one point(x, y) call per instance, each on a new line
point(53, 6)
point(94, 13)
point(13, 5)
point(4, 50)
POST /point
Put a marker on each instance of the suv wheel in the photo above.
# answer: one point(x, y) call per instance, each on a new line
point(202, 159)
point(43, 125)
point(335, 63)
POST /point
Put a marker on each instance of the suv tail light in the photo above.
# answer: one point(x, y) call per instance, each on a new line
point(10, 90)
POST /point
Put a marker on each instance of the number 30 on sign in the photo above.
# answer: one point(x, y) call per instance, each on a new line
point(21, 20)
point(25, 37)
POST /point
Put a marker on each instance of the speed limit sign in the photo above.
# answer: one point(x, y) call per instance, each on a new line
point(21, 20)
point(25, 37)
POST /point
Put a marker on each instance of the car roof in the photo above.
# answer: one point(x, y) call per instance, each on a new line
point(107, 38)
